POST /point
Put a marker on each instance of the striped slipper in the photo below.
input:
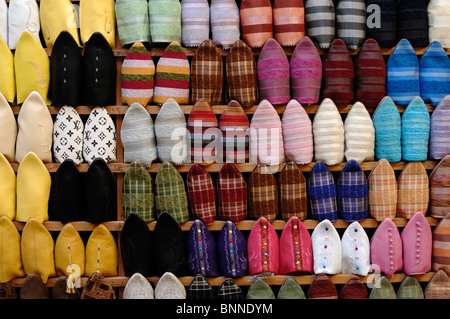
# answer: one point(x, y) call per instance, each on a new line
point(415, 131)
point(138, 136)
point(306, 72)
point(262, 194)
point(241, 75)
point(320, 22)
point(438, 28)
point(338, 74)
point(328, 133)
point(387, 136)
point(359, 134)
point(292, 192)
point(256, 22)
point(441, 245)
point(165, 20)
point(402, 82)
point(273, 73)
point(440, 188)
point(288, 21)
point(382, 191)
point(231, 194)
point(137, 76)
point(202, 194)
point(322, 193)
point(351, 22)
point(384, 32)
point(203, 128)
point(440, 130)
point(297, 134)
point(438, 287)
point(171, 133)
point(225, 23)
point(132, 21)
point(352, 193)
point(266, 138)
point(194, 22)
point(413, 190)
point(434, 74)
point(234, 125)
point(172, 77)
point(412, 20)
point(370, 74)
point(207, 74)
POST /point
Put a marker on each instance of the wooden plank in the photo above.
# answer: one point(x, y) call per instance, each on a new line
point(116, 226)
point(243, 167)
point(121, 281)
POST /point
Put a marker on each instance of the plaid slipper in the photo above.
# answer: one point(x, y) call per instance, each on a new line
point(413, 190)
point(207, 73)
point(241, 80)
point(170, 193)
point(199, 288)
point(410, 288)
point(231, 194)
point(322, 193)
point(262, 194)
point(292, 192)
point(201, 194)
point(137, 194)
point(229, 290)
point(382, 191)
point(383, 289)
point(352, 193)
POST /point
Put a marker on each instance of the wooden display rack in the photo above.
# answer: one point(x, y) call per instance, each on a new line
point(119, 168)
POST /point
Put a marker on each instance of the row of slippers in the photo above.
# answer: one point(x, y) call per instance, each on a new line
point(296, 251)
point(204, 138)
point(170, 287)
point(257, 20)
point(352, 197)
point(76, 78)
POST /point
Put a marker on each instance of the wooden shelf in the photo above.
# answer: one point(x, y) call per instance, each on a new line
point(277, 280)
point(217, 109)
point(157, 49)
point(242, 167)
point(217, 225)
